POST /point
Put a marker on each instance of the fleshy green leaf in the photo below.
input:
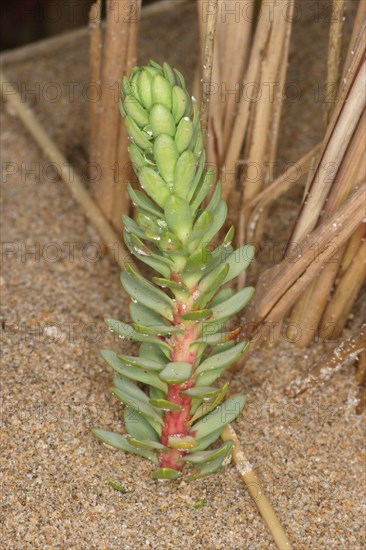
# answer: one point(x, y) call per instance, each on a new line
point(144, 88)
point(148, 294)
point(176, 372)
point(166, 473)
point(203, 189)
point(208, 406)
point(161, 121)
point(138, 426)
point(208, 377)
point(184, 134)
point(172, 285)
point(136, 134)
point(219, 338)
point(206, 391)
point(132, 227)
point(233, 305)
point(210, 284)
point(182, 443)
point(142, 362)
point(135, 110)
point(161, 92)
point(165, 405)
point(166, 156)
point(157, 330)
point(124, 384)
point(125, 331)
point(147, 444)
point(154, 185)
point(220, 417)
point(140, 200)
point(184, 174)
point(194, 266)
point(155, 393)
point(209, 468)
point(143, 315)
point(214, 257)
point(139, 405)
point(238, 261)
point(151, 259)
point(223, 295)
point(207, 456)
point(207, 440)
point(153, 352)
point(196, 315)
point(199, 229)
point(120, 442)
point(219, 217)
point(224, 359)
point(178, 216)
point(180, 102)
point(199, 504)
point(132, 372)
point(169, 73)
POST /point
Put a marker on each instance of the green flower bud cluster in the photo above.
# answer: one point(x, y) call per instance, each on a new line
point(179, 317)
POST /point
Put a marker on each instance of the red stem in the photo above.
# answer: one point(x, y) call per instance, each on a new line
point(176, 423)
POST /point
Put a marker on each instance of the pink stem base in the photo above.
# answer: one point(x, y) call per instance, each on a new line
point(176, 423)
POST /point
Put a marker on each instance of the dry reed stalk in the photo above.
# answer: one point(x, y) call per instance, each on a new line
point(337, 312)
point(257, 121)
point(276, 189)
point(214, 130)
point(123, 164)
point(255, 490)
point(345, 118)
point(334, 53)
point(259, 137)
point(94, 73)
point(278, 288)
point(108, 123)
point(239, 128)
point(309, 309)
point(234, 37)
point(346, 351)
point(207, 81)
point(74, 183)
point(352, 247)
point(351, 170)
point(333, 154)
point(110, 148)
point(342, 152)
point(275, 120)
point(208, 34)
point(356, 37)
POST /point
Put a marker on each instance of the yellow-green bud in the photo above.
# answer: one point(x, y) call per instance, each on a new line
point(180, 103)
point(135, 110)
point(184, 173)
point(137, 159)
point(161, 121)
point(161, 91)
point(166, 156)
point(144, 87)
point(136, 134)
point(154, 186)
point(178, 216)
point(184, 134)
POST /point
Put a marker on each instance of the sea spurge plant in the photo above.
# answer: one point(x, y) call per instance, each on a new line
point(179, 316)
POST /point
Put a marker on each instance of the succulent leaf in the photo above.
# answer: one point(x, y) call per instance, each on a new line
point(120, 442)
